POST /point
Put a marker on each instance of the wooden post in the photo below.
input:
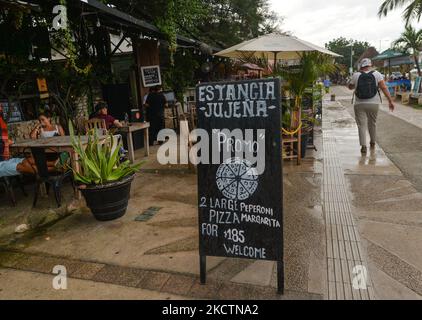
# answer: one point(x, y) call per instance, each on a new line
point(131, 151)
point(146, 141)
point(146, 54)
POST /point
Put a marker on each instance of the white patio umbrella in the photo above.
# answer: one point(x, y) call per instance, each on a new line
point(274, 46)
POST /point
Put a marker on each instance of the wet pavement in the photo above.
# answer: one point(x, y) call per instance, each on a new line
point(386, 205)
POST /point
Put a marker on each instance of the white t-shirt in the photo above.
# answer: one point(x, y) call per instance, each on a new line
point(375, 100)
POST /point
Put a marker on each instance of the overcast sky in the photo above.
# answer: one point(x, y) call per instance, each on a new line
point(319, 21)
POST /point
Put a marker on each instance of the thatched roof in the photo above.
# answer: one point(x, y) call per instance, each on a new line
point(370, 53)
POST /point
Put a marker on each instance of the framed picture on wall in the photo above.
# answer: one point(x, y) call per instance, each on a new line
point(13, 112)
point(151, 76)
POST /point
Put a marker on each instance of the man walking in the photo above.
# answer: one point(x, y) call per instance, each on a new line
point(367, 84)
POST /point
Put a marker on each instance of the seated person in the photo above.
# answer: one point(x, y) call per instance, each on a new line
point(101, 112)
point(14, 166)
point(45, 129)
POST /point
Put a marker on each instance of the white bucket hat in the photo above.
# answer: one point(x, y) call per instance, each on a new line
point(366, 63)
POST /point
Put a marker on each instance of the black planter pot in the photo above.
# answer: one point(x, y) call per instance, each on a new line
point(109, 201)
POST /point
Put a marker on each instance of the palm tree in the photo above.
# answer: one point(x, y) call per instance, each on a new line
point(411, 12)
point(410, 40)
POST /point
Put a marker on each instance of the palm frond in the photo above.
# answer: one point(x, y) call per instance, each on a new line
point(413, 10)
point(389, 5)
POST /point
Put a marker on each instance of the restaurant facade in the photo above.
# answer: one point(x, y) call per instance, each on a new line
point(125, 51)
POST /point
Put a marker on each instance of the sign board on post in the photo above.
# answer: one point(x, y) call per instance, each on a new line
point(240, 186)
point(42, 88)
point(151, 76)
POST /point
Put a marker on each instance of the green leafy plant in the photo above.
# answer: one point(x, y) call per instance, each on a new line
point(99, 160)
point(312, 65)
point(410, 42)
point(180, 76)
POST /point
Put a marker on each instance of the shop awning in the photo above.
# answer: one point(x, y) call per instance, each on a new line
point(389, 54)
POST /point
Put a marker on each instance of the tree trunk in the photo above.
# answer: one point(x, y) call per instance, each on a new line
point(416, 57)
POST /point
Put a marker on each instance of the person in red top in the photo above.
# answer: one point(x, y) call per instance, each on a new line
point(4, 138)
point(101, 112)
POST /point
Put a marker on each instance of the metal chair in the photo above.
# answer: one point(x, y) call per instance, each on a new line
point(7, 183)
point(43, 176)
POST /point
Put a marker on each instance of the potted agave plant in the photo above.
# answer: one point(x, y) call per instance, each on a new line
point(103, 179)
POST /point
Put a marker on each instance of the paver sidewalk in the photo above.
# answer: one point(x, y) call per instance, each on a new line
point(18, 284)
point(161, 253)
point(385, 206)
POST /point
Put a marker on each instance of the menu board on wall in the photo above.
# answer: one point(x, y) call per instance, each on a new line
point(151, 76)
point(240, 197)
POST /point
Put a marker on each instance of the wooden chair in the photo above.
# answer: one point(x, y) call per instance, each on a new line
point(179, 111)
point(292, 141)
point(170, 114)
point(97, 124)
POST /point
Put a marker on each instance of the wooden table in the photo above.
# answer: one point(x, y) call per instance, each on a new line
point(129, 129)
point(56, 144)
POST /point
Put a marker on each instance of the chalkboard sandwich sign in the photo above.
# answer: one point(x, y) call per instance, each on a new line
point(240, 181)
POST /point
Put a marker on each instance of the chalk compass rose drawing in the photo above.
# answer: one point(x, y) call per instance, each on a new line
point(237, 179)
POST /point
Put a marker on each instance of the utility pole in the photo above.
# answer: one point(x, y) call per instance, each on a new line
point(351, 60)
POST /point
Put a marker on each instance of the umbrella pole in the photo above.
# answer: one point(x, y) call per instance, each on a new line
point(275, 62)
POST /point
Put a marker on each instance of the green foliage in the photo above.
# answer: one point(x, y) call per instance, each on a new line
point(312, 66)
point(410, 42)
point(232, 21)
point(221, 22)
point(180, 76)
point(99, 160)
point(413, 11)
point(342, 46)
point(172, 17)
point(69, 46)
point(286, 120)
